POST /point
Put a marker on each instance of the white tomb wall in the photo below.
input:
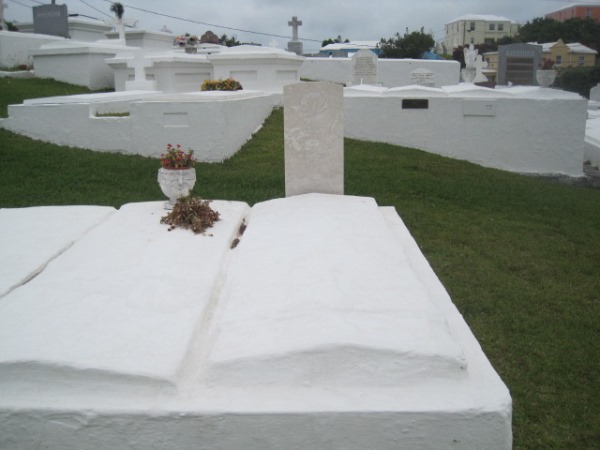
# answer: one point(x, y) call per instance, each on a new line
point(536, 132)
point(390, 72)
point(194, 120)
point(15, 47)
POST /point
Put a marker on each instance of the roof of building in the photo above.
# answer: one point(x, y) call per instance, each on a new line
point(487, 18)
point(574, 5)
point(574, 47)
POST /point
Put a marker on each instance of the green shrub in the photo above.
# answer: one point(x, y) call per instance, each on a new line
point(578, 79)
point(221, 85)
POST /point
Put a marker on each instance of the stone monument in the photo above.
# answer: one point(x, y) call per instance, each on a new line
point(314, 138)
point(364, 67)
point(518, 63)
point(51, 19)
point(295, 46)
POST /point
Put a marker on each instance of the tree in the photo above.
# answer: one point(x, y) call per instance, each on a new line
point(337, 40)
point(229, 41)
point(411, 45)
point(585, 31)
point(118, 9)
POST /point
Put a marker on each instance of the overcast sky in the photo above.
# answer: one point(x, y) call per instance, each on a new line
point(353, 19)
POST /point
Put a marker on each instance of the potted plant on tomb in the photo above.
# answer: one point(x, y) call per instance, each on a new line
point(191, 46)
point(546, 74)
point(177, 174)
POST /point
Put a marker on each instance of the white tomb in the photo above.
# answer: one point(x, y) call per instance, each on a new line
point(324, 327)
point(81, 63)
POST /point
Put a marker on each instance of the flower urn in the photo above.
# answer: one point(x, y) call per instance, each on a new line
point(176, 183)
point(545, 78)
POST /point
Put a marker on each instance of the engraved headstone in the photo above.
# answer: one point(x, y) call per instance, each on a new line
point(518, 63)
point(422, 77)
point(314, 138)
point(51, 19)
point(364, 67)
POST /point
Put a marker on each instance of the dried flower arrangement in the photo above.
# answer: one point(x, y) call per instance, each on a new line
point(191, 213)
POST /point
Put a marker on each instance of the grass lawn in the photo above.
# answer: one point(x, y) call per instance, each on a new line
point(519, 256)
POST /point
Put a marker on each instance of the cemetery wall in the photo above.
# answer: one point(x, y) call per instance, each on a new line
point(15, 47)
point(503, 133)
point(390, 72)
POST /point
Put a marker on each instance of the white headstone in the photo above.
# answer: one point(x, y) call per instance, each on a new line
point(364, 67)
point(139, 63)
point(314, 138)
point(423, 77)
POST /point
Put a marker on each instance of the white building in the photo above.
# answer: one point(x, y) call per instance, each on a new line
point(477, 29)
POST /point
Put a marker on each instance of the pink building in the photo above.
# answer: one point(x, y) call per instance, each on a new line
point(580, 10)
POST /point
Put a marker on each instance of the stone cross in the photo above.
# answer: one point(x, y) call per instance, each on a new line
point(139, 64)
point(295, 23)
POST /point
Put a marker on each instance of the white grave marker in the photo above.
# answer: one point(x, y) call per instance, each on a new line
point(139, 63)
point(314, 138)
point(364, 67)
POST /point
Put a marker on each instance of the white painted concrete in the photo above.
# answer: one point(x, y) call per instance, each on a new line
point(80, 29)
point(592, 139)
point(526, 130)
point(174, 71)
point(324, 328)
point(15, 47)
point(31, 237)
point(390, 72)
point(194, 120)
point(81, 63)
point(260, 68)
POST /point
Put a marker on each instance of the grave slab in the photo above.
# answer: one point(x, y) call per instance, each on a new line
point(325, 327)
point(48, 230)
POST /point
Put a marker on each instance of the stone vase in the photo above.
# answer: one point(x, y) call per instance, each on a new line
point(176, 183)
point(191, 50)
point(545, 78)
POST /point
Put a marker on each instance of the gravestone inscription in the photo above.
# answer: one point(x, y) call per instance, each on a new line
point(364, 67)
point(314, 138)
point(422, 77)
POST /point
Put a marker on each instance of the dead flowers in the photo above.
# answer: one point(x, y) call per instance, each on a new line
point(191, 213)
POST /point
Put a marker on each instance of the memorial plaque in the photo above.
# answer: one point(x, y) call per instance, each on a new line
point(423, 77)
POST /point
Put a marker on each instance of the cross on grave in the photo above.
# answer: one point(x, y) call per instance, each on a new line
point(295, 23)
point(139, 63)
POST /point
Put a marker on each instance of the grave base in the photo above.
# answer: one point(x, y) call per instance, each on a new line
point(324, 327)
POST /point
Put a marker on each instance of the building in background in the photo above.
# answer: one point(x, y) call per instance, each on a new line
point(477, 29)
point(347, 49)
point(563, 55)
point(577, 10)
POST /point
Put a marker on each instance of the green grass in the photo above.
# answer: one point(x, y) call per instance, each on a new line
point(519, 256)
